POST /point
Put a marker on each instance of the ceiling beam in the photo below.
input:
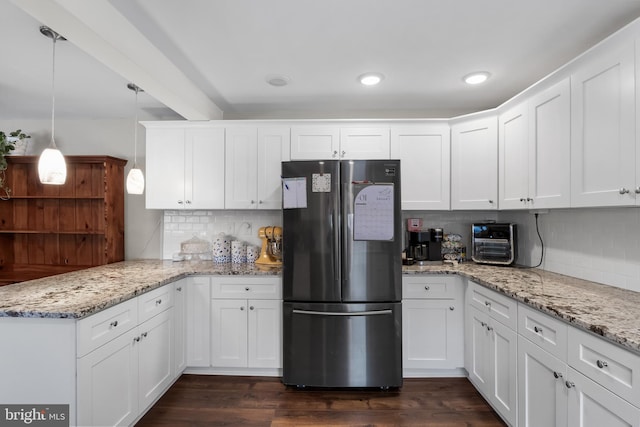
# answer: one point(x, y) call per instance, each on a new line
point(103, 32)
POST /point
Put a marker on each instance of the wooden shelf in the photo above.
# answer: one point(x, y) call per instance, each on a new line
point(96, 232)
point(52, 229)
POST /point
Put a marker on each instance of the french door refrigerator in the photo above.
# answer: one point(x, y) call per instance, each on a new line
point(342, 272)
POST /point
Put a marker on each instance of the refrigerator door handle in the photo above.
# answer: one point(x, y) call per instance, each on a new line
point(336, 250)
point(333, 313)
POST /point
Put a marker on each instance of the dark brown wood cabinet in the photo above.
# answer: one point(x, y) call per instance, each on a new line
point(51, 229)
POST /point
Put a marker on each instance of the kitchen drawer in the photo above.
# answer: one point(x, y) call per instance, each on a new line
point(246, 287)
point(431, 287)
point(548, 333)
point(500, 307)
point(100, 328)
point(605, 363)
point(155, 302)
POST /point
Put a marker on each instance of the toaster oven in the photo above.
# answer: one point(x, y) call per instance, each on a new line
point(494, 243)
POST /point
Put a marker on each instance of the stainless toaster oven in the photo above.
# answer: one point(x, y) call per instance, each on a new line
point(494, 243)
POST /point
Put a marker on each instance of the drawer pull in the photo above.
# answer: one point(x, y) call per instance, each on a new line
point(251, 308)
point(241, 308)
point(158, 302)
point(426, 288)
point(483, 324)
point(247, 289)
point(569, 384)
point(537, 329)
point(557, 374)
point(179, 289)
point(487, 303)
point(136, 339)
point(114, 324)
point(601, 363)
point(451, 308)
point(144, 334)
point(489, 328)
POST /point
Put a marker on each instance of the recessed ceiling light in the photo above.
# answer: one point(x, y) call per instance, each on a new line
point(278, 80)
point(370, 79)
point(476, 77)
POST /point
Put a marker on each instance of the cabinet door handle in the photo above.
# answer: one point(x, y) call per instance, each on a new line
point(601, 363)
point(343, 153)
point(253, 202)
point(180, 202)
point(144, 334)
point(557, 374)
point(335, 153)
point(537, 329)
point(251, 308)
point(569, 384)
point(529, 199)
point(483, 324)
point(522, 199)
point(623, 190)
point(487, 303)
point(638, 189)
point(489, 328)
point(188, 202)
point(179, 289)
point(426, 288)
point(114, 324)
point(241, 308)
point(451, 308)
point(159, 301)
point(136, 339)
point(490, 201)
point(247, 289)
point(260, 202)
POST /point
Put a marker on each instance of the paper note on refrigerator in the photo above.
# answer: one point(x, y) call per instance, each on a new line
point(294, 193)
point(373, 217)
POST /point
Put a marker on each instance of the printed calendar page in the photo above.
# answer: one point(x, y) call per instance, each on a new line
point(373, 217)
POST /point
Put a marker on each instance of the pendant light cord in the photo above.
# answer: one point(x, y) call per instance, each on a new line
point(135, 133)
point(53, 93)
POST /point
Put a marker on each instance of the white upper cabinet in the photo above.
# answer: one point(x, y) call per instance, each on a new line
point(184, 167)
point(513, 166)
point(474, 164)
point(534, 151)
point(253, 164)
point(330, 142)
point(424, 152)
point(603, 141)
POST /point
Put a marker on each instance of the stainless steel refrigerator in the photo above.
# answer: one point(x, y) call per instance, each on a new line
point(342, 272)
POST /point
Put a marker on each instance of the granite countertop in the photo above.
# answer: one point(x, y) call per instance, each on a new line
point(608, 311)
point(81, 293)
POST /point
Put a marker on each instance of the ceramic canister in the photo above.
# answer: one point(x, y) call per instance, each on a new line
point(221, 249)
point(238, 252)
point(252, 253)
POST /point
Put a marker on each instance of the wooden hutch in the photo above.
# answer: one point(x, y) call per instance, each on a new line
point(53, 229)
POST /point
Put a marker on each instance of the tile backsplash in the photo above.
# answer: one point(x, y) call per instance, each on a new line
point(179, 226)
point(596, 244)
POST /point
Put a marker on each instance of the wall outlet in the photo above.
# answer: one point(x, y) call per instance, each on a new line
point(245, 229)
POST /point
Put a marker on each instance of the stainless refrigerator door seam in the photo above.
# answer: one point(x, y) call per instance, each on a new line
point(333, 313)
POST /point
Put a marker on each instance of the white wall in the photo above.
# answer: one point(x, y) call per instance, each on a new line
point(597, 244)
point(103, 137)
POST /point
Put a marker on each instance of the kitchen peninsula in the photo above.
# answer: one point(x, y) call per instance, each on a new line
point(44, 316)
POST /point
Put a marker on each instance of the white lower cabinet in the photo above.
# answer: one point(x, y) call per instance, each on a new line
point(432, 325)
point(542, 394)
point(122, 378)
point(591, 405)
point(246, 323)
point(491, 348)
point(198, 324)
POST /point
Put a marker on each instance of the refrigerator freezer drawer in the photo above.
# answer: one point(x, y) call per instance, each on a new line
point(342, 345)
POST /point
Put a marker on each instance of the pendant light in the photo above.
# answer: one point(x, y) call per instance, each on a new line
point(135, 178)
point(52, 168)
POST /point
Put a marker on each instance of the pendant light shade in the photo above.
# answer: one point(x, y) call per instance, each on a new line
point(52, 168)
point(135, 178)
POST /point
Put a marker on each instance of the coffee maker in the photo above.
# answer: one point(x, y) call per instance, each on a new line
point(425, 245)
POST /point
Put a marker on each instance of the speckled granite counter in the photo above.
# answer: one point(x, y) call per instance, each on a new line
point(82, 293)
point(610, 312)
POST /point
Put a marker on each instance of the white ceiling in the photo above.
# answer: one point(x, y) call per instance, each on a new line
point(194, 55)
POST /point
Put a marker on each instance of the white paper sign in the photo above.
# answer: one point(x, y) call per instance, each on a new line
point(373, 213)
point(294, 193)
point(321, 183)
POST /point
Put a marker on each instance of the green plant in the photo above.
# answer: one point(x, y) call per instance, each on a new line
point(6, 147)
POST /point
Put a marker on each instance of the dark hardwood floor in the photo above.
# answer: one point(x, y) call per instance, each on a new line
point(203, 400)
